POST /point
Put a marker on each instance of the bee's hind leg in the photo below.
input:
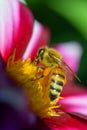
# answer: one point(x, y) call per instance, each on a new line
point(42, 72)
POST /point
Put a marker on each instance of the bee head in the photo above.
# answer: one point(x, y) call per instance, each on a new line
point(47, 56)
point(40, 55)
point(41, 52)
point(44, 57)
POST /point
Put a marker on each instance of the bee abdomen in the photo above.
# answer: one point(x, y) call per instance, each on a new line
point(60, 75)
point(55, 89)
point(57, 82)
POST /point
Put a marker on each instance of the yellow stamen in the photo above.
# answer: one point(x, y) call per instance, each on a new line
point(25, 73)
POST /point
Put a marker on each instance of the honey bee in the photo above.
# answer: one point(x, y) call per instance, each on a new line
point(52, 59)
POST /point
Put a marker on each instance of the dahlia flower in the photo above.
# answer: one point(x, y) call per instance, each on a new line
point(24, 104)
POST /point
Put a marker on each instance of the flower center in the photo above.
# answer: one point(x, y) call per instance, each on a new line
point(26, 74)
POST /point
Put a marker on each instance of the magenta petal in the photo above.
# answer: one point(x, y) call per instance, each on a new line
point(76, 103)
point(16, 22)
point(71, 53)
point(6, 28)
point(66, 122)
point(24, 30)
point(73, 89)
point(75, 99)
point(40, 37)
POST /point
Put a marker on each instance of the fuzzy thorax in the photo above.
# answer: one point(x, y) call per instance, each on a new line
point(26, 74)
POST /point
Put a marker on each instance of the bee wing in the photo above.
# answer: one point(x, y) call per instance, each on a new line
point(69, 71)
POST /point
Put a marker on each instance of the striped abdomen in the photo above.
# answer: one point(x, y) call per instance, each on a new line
point(56, 82)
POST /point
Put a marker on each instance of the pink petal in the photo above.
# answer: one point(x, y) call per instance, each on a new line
point(66, 122)
point(40, 37)
point(71, 53)
point(75, 99)
point(23, 35)
point(73, 89)
point(75, 103)
point(16, 24)
point(6, 24)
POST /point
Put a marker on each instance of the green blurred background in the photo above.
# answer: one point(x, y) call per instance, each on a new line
point(67, 20)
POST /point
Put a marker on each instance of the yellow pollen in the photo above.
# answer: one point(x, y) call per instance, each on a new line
point(26, 74)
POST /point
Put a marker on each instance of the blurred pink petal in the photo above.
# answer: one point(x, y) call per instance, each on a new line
point(23, 35)
point(40, 37)
point(75, 103)
point(73, 89)
point(66, 122)
point(16, 22)
point(75, 98)
point(71, 53)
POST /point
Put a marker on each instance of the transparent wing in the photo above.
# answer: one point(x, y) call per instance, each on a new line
point(69, 72)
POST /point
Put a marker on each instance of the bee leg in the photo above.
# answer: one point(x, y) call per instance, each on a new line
point(46, 71)
point(42, 72)
point(36, 61)
point(61, 97)
point(39, 72)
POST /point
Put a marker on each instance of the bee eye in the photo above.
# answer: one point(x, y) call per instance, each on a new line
point(41, 51)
